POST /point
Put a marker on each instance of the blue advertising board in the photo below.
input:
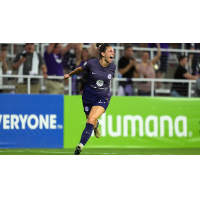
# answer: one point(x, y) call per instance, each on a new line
point(31, 121)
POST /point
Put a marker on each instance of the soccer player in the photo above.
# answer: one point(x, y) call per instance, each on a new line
point(96, 94)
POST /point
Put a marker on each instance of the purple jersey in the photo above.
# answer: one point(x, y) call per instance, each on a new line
point(54, 64)
point(98, 84)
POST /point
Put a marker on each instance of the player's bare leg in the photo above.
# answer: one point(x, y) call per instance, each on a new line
point(94, 115)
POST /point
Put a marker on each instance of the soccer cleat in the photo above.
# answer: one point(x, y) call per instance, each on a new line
point(97, 132)
point(78, 149)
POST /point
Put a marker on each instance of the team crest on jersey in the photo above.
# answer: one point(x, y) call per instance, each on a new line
point(100, 83)
point(86, 109)
point(109, 76)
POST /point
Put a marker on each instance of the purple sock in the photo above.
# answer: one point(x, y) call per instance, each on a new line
point(86, 133)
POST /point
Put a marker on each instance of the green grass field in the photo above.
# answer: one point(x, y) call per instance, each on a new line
point(101, 151)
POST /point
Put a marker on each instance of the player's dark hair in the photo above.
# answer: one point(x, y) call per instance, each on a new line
point(102, 48)
point(128, 46)
point(181, 58)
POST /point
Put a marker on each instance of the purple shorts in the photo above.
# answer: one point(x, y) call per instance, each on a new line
point(88, 107)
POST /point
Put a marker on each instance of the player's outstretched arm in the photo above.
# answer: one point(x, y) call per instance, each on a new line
point(78, 70)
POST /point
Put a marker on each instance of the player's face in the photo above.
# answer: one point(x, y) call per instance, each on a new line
point(109, 54)
point(29, 47)
point(129, 52)
point(145, 57)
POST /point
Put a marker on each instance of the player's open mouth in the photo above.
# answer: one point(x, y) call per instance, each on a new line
point(111, 58)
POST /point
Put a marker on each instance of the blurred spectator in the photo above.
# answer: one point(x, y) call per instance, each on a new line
point(193, 57)
point(85, 56)
point(71, 57)
point(53, 58)
point(181, 89)
point(160, 73)
point(93, 51)
point(126, 69)
point(80, 79)
point(174, 45)
point(174, 55)
point(70, 61)
point(4, 47)
point(28, 63)
point(3, 65)
point(142, 45)
point(197, 85)
point(146, 70)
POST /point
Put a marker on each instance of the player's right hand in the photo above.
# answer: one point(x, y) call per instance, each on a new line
point(66, 76)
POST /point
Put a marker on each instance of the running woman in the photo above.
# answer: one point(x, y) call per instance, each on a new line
point(96, 94)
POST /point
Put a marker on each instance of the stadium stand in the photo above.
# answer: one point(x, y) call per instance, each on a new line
point(174, 49)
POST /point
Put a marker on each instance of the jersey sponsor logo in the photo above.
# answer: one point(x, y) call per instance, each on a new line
point(109, 76)
point(86, 109)
point(100, 83)
point(94, 73)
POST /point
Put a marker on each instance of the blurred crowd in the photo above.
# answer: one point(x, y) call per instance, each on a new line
point(59, 59)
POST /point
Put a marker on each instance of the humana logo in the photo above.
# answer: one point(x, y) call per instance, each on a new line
point(162, 126)
point(32, 121)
